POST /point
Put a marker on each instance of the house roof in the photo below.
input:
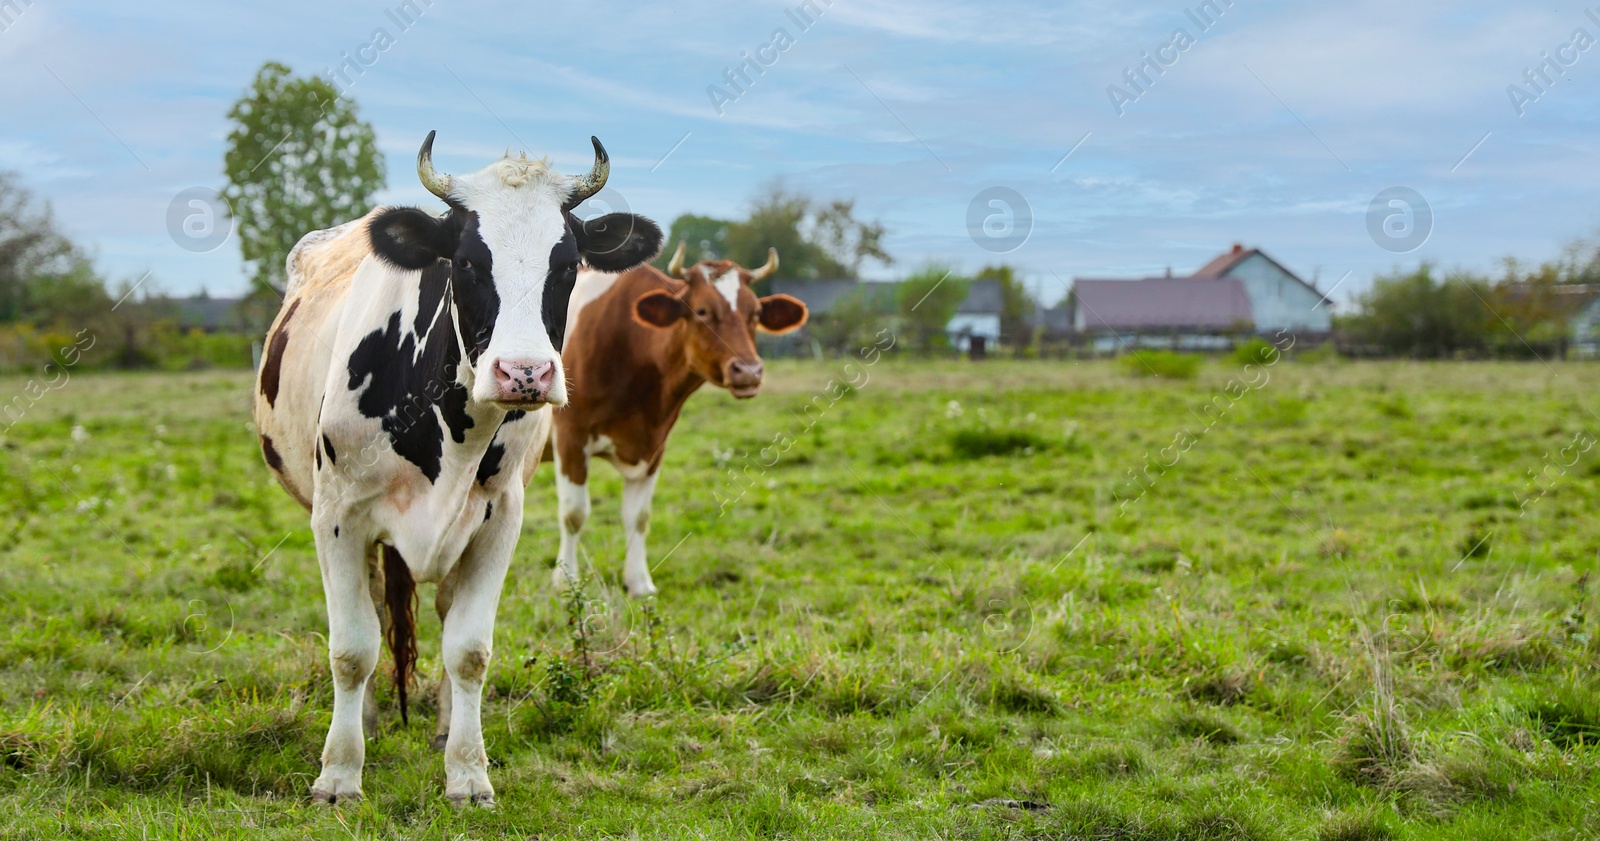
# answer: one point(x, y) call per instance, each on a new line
point(818, 294)
point(1054, 320)
point(983, 297)
point(1163, 303)
point(1225, 262)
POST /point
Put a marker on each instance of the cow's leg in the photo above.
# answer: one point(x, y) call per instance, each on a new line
point(468, 640)
point(572, 495)
point(637, 491)
point(369, 698)
point(353, 643)
point(441, 730)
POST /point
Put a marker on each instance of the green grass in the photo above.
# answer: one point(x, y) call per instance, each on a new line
point(971, 601)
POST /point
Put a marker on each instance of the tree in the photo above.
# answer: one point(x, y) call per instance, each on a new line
point(1423, 316)
point(775, 221)
point(1016, 306)
point(299, 159)
point(848, 242)
point(44, 277)
point(927, 301)
point(706, 238)
point(812, 240)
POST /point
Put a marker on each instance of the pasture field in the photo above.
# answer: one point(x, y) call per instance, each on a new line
point(1357, 604)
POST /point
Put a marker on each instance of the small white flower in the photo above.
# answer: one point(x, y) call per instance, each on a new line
point(172, 473)
point(79, 434)
point(953, 410)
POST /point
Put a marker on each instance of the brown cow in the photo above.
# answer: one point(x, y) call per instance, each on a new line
point(638, 344)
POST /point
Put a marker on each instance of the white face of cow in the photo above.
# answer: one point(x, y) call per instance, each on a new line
point(508, 250)
point(514, 251)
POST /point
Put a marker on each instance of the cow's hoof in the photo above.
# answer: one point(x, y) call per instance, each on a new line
point(440, 741)
point(336, 789)
point(642, 591)
point(481, 800)
point(328, 797)
point(471, 789)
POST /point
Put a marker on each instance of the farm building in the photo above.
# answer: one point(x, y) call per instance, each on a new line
point(1241, 292)
point(978, 317)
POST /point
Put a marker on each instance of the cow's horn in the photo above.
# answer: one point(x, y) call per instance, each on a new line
point(675, 267)
point(438, 183)
point(769, 268)
point(587, 185)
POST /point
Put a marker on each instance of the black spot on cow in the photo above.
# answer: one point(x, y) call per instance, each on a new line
point(336, 530)
point(488, 511)
point(558, 287)
point(489, 467)
point(327, 447)
point(272, 365)
point(319, 458)
point(270, 453)
point(412, 389)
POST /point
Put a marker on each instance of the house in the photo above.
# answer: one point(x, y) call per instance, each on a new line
point(978, 316)
point(1240, 292)
point(1280, 299)
point(1182, 312)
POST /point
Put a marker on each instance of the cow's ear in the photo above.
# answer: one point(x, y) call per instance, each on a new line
point(659, 309)
point(782, 314)
point(411, 239)
point(617, 242)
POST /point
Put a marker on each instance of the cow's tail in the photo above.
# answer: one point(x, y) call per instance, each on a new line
point(400, 596)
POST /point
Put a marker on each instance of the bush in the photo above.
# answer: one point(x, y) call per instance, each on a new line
point(1163, 364)
point(1255, 352)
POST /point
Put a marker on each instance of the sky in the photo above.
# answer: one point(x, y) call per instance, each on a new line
point(978, 133)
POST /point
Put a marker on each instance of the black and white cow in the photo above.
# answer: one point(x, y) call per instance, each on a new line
point(403, 399)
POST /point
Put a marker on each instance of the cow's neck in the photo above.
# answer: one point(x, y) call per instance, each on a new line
point(678, 381)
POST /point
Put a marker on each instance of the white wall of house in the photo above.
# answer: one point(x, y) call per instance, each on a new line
point(1280, 302)
point(1586, 331)
point(963, 325)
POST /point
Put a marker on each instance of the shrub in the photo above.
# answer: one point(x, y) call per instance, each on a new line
point(1255, 352)
point(1162, 364)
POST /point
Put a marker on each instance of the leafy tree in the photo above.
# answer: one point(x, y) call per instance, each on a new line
point(44, 277)
point(846, 241)
point(775, 221)
point(1420, 315)
point(705, 235)
point(812, 240)
point(299, 159)
point(1016, 306)
point(927, 301)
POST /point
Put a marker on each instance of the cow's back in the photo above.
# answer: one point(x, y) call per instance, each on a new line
point(295, 364)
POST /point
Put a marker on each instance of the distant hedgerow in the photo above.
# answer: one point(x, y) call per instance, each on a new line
point(1161, 364)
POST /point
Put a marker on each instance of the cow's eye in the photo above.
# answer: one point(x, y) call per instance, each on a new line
point(702, 312)
point(466, 265)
